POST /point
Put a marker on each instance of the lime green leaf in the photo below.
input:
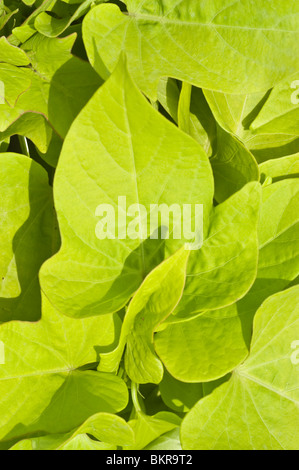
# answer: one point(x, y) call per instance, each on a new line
point(168, 96)
point(23, 33)
point(33, 126)
point(179, 396)
point(168, 441)
point(102, 160)
point(194, 43)
point(51, 26)
point(83, 442)
point(42, 387)
point(281, 168)
point(57, 81)
point(154, 301)
point(280, 114)
point(278, 249)
point(149, 428)
point(28, 235)
point(242, 413)
point(211, 345)
point(48, 54)
point(233, 165)
point(234, 112)
point(105, 427)
point(261, 121)
point(225, 267)
point(215, 342)
point(11, 54)
point(279, 231)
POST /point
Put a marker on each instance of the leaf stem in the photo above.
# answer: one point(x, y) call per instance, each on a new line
point(184, 107)
point(24, 145)
point(134, 394)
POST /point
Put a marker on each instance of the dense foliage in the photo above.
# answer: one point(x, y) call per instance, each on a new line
point(145, 343)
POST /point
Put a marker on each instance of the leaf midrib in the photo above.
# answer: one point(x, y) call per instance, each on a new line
point(66, 371)
point(164, 20)
point(265, 385)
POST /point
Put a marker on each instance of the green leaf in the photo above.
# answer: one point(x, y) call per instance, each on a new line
point(232, 163)
point(215, 342)
point(83, 442)
point(149, 428)
point(105, 427)
point(281, 168)
point(261, 121)
point(279, 231)
point(179, 396)
point(278, 262)
point(32, 126)
point(168, 441)
point(154, 301)
point(235, 112)
point(42, 384)
point(28, 235)
point(57, 81)
point(233, 166)
point(242, 413)
point(225, 267)
point(102, 160)
point(194, 43)
point(280, 114)
point(51, 26)
point(202, 126)
point(211, 345)
point(169, 95)
point(11, 54)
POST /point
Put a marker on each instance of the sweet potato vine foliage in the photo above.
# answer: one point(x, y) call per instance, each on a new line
point(149, 342)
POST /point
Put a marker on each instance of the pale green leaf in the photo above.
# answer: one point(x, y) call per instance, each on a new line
point(32, 96)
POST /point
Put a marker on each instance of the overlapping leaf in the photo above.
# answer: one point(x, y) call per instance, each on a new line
point(240, 414)
point(262, 121)
point(102, 160)
point(45, 384)
point(152, 304)
point(215, 342)
point(56, 80)
point(28, 235)
point(109, 429)
point(199, 107)
point(195, 42)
